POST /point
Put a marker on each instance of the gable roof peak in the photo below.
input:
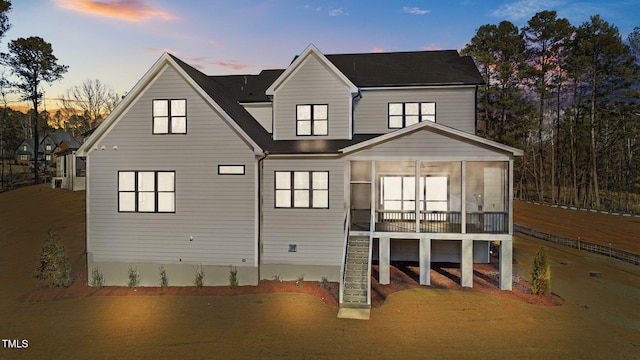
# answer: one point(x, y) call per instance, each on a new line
point(299, 60)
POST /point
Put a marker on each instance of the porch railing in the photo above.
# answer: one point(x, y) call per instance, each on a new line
point(488, 222)
point(437, 222)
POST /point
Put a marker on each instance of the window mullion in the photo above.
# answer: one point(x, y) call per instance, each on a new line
point(135, 174)
point(155, 190)
point(169, 130)
point(310, 189)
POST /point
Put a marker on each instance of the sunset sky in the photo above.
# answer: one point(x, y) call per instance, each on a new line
point(117, 41)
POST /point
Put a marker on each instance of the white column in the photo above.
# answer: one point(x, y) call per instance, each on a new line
point(466, 263)
point(417, 195)
point(425, 261)
point(384, 260)
point(506, 263)
point(463, 197)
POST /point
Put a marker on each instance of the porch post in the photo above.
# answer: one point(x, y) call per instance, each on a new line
point(384, 260)
point(463, 197)
point(466, 263)
point(425, 261)
point(417, 195)
point(506, 263)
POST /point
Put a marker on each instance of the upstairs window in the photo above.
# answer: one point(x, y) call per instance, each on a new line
point(47, 147)
point(302, 189)
point(146, 191)
point(24, 147)
point(312, 120)
point(406, 114)
point(170, 116)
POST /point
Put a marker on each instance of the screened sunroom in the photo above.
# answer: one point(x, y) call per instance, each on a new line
point(430, 196)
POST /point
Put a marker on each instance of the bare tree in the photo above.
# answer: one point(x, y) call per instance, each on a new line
point(93, 99)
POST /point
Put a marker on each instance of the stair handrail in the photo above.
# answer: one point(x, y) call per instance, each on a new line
point(347, 219)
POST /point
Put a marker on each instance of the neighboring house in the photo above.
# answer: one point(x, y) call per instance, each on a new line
point(24, 152)
point(312, 171)
point(70, 169)
point(60, 149)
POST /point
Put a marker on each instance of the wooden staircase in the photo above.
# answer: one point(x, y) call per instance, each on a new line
point(355, 302)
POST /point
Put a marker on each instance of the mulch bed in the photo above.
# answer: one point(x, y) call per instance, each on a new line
point(404, 275)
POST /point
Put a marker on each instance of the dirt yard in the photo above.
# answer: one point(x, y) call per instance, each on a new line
point(622, 232)
point(597, 317)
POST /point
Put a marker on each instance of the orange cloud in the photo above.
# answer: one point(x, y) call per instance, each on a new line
point(129, 10)
point(378, 50)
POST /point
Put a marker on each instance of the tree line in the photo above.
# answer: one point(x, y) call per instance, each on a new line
point(28, 65)
point(569, 96)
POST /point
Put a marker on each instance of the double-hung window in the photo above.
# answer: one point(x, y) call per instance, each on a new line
point(302, 189)
point(147, 191)
point(312, 119)
point(408, 113)
point(170, 116)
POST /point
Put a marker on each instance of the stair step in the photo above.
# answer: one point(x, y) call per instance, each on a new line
point(355, 296)
point(360, 287)
point(354, 299)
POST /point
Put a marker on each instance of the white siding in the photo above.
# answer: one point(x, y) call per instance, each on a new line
point(428, 144)
point(312, 83)
point(263, 113)
point(217, 211)
point(455, 107)
point(318, 233)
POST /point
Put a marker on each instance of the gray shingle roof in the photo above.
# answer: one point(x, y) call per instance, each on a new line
point(364, 70)
point(416, 68)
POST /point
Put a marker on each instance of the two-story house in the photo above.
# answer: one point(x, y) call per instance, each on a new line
point(314, 170)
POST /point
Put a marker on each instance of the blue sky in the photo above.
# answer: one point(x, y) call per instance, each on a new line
point(117, 41)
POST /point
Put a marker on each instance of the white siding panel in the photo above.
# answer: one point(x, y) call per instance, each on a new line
point(455, 107)
point(318, 233)
point(263, 113)
point(425, 143)
point(216, 210)
point(312, 83)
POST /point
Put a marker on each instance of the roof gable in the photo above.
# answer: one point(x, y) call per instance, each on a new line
point(300, 60)
point(433, 127)
point(211, 91)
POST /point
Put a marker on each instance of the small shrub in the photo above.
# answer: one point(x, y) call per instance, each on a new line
point(300, 281)
point(276, 279)
point(54, 267)
point(233, 277)
point(164, 282)
point(541, 274)
point(97, 279)
point(324, 283)
point(199, 280)
point(134, 278)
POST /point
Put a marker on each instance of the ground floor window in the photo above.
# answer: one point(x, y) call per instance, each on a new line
point(146, 191)
point(302, 189)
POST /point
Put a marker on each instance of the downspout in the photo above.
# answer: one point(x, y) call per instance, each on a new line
point(260, 167)
point(353, 112)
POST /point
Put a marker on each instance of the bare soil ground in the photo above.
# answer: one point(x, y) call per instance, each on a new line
point(622, 232)
point(589, 318)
